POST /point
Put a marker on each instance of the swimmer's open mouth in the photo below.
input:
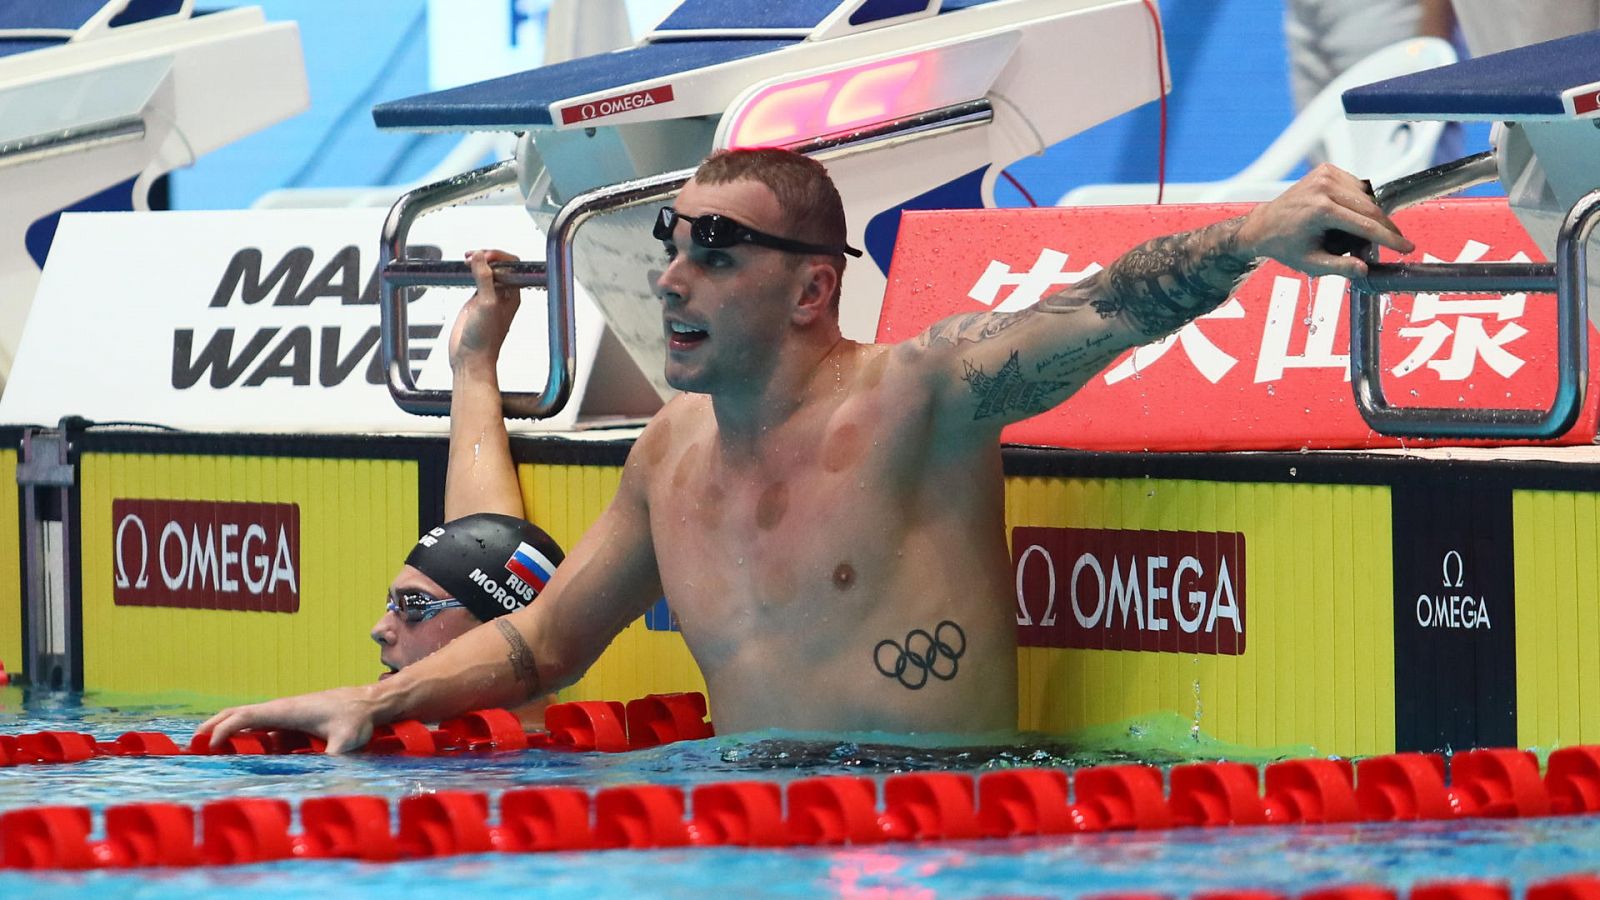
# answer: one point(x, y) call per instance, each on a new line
point(390, 670)
point(683, 337)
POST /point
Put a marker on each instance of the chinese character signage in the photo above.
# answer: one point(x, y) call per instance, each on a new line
point(1270, 368)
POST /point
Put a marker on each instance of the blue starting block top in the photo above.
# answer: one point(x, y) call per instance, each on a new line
point(743, 29)
point(524, 99)
point(34, 25)
point(1552, 80)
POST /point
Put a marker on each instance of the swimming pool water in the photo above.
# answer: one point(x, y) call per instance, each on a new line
point(1176, 862)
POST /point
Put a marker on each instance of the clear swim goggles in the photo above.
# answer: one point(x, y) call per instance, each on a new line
point(715, 231)
point(416, 606)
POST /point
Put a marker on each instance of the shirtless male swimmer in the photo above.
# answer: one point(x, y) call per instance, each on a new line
point(825, 516)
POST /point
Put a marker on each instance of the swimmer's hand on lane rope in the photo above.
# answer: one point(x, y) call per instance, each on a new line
point(1319, 219)
point(344, 717)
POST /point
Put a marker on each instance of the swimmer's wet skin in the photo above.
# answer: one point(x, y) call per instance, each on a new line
point(826, 517)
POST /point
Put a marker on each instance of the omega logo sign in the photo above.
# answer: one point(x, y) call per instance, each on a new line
point(1453, 607)
point(1180, 592)
point(621, 103)
point(206, 555)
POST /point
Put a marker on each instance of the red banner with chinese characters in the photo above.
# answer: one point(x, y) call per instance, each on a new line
point(1269, 369)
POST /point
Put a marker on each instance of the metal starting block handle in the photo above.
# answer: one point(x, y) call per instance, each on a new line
point(556, 277)
point(1566, 278)
point(397, 273)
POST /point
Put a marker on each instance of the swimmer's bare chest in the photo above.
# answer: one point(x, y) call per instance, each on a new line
point(819, 546)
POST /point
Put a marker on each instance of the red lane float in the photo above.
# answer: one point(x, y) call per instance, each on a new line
point(607, 727)
point(931, 806)
point(828, 810)
point(740, 814)
point(346, 828)
point(546, 818)
point(588, 725)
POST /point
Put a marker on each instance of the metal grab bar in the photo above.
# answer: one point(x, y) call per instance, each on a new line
point(396, 273)
point(1566, 278)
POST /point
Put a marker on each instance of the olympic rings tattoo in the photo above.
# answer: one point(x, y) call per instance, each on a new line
point(922, 655)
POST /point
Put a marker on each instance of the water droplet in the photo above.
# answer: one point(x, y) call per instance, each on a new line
point(741, 560)
point(1293, 471)
point(1270, 391)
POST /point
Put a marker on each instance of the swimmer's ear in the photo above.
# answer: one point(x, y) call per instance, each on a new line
point(816, 292)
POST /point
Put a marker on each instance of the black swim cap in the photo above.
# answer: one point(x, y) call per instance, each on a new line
point(493, 564)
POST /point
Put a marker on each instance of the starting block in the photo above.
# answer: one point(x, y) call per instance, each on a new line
point(912, 104)
point(1545, 100)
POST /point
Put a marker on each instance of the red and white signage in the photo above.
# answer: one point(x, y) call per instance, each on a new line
point(1584, 101)
point(199, 554)
point(1110, 589)
point(1269, 369)
point(620, 103)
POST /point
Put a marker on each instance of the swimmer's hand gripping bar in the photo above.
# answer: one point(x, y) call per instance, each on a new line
point(397, 272)
point(1566, 278)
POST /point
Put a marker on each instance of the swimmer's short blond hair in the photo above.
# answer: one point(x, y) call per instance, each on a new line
point(805, 192)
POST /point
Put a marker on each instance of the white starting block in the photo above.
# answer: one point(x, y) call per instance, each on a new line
point(912, 104)
point(85, 106)
point(1546, 98)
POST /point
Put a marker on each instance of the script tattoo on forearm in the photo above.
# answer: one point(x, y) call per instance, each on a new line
point(1164, 284)
point(520, 655)
point(1008, 390)
point(922, 655)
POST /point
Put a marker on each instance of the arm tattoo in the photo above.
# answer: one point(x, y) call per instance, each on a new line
point(1008, 390)
point(972, 327)
point(1163, 284)
point(922, 655)
point(520, 655)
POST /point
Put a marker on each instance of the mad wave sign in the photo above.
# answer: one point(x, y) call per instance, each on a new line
point(621, 103)
point(197, 554)
point(257, 320)
point(1109, 589)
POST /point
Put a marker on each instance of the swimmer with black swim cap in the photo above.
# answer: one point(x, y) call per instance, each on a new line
point(459, 575)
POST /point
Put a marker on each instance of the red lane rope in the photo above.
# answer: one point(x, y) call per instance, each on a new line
point(1161, 78)
point(828, 810)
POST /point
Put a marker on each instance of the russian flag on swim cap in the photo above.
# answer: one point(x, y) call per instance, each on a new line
point(528, 564)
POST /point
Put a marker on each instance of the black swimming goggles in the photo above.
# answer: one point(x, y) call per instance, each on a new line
point(715, 231)
point(416, 606)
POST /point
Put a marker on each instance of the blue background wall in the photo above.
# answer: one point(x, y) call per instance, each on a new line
point(1230, 99)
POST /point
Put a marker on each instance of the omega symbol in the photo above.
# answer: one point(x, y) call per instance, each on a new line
point(1461, 568)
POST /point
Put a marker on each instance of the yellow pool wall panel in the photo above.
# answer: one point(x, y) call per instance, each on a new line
point(358, 519)
point(1318, 666)
point(565, 500)
point(1557, 538)
point(10, 564)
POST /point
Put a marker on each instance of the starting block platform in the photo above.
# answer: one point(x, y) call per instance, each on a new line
point(1549, 81)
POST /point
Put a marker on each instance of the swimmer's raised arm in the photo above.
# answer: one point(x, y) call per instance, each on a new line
point(988, 370)
point(481, 477)
point(608, 580)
